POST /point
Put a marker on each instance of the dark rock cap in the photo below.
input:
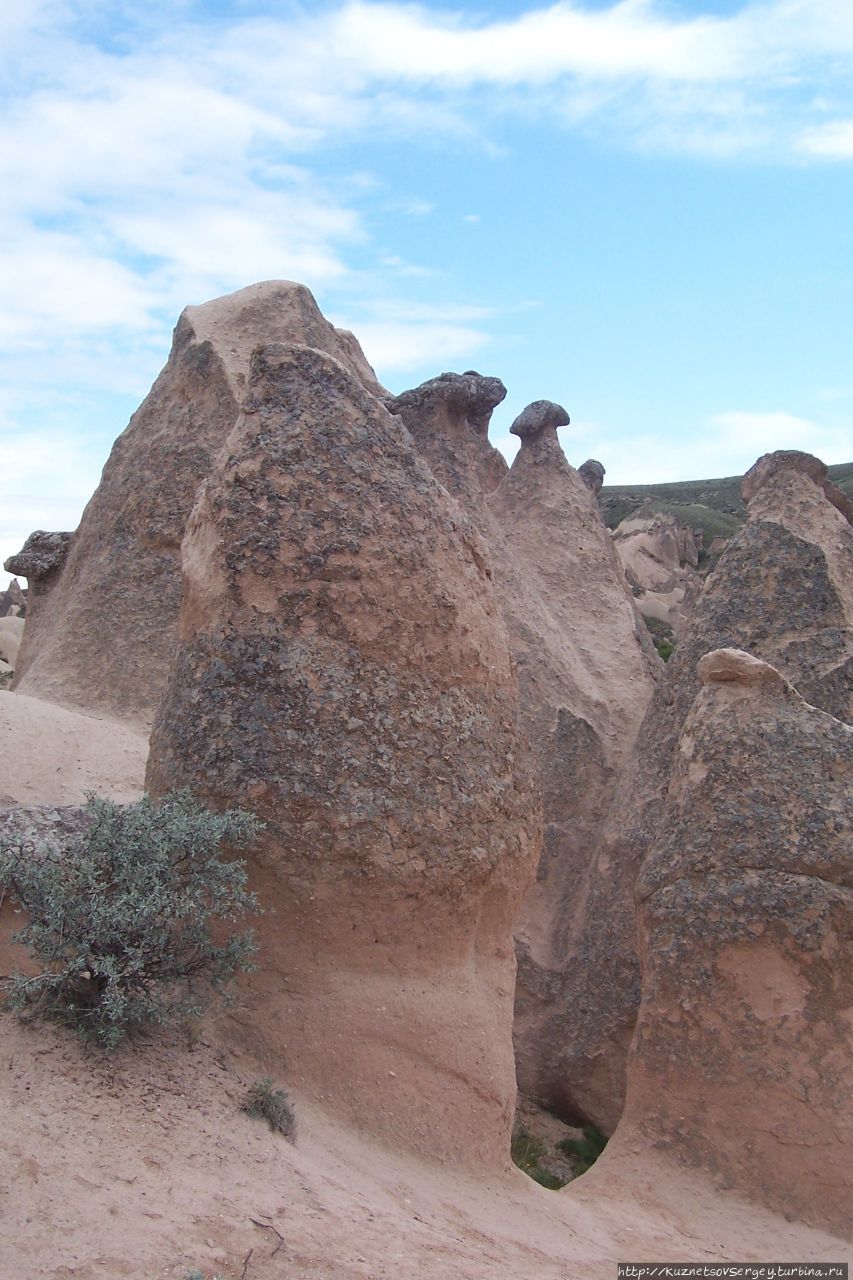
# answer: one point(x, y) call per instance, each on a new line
point(537, 418)
point(470, 394)
point(41, 554)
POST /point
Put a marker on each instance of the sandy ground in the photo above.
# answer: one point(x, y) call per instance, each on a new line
point(51, 755)
point(142, 1165)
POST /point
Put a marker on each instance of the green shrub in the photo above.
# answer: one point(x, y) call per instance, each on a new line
point(526, 1152)
point(664, 648)
point(119, 916)
point(586, 1150)
point(265, 1102)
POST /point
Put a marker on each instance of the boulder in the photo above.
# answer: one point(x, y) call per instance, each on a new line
point(585, 665)
point(11, 634)
point(343, 670)
point(742, 1062)
point(114, 587)
point(782, 590)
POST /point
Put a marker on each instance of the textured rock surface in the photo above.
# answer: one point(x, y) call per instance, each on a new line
point(13, 601)
point(783, 591)
point(448, 418)
point(592, 473)
point(343, 670)
point(742, 1060)
point(113, 603)
point(584, 676)
point(660, 559)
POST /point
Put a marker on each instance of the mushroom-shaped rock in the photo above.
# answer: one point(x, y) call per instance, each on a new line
point(42, 556)
point(537, 427)
point(746, 937)
point(469, 396)
point(592, 473)
point(343, 670)
point(584, 675)
point(448, 418)
point(105, 636)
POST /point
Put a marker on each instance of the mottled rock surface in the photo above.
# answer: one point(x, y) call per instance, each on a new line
point(114, 595)
point(584, 674)
point(783, 591)
point(742, 1060)
point(343, 670)
point(448, 419)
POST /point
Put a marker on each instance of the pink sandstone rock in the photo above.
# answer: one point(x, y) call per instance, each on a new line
point(742, 1061)
point(102, 630)
point(343, 670)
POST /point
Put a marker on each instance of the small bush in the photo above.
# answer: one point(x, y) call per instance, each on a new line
point(584, 1151)
point(119, 916)
point(526, 1151)
point(265, 1102)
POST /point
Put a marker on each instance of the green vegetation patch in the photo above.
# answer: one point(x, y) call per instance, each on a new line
point(119, 915)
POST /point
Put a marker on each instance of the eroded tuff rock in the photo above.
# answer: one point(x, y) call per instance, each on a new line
point(592, 473)
point(13, 601)
point(448, 418)
point(742, 1061)
point(783, 591)
point(584, 676)
point(661, 560)
point(343, 670)
point(113, 602)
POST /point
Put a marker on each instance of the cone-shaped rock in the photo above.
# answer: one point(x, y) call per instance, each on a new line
point(585, 680)
point(742, 1060)
point(103, 629)
point(585, 677)
point(343, 670)
point(783, 591)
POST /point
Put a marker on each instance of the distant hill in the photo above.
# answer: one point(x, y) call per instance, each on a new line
point(714, 506)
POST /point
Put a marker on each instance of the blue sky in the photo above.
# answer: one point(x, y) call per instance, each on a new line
point(643, 210)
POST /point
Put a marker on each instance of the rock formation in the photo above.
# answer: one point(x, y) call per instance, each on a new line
point(13, 601)
point(783, 591)
point(343, 670)
point(742, 1060)
point(448, 419)
point(592, 473)
point(114, 586)
point(11, 633)
point(661, 563)
point(584, 675)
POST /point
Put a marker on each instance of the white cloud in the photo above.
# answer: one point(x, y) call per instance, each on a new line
point(417, 338)
point(402, 348)
point(727, 444)
point(831, 141)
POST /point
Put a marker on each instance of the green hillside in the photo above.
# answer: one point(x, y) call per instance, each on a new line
point(714, 506)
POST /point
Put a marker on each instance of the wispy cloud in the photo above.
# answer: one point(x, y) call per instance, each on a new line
point(150, 158)
point(737, 436)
